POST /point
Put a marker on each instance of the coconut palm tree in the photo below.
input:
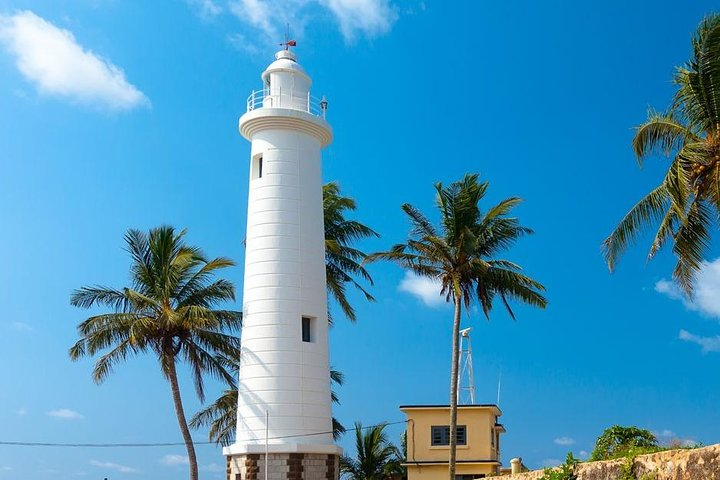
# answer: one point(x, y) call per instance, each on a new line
point(343, 262)
point(377, 458)
point(168, 310)
point(221, 415)
point(687, 202)
point(460, 255)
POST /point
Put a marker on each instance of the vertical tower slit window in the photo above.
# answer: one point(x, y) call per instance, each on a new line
point(257, 167)
point(307, 329)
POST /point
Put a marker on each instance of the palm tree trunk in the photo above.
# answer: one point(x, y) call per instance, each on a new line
point(192, 458)
point(454, 385)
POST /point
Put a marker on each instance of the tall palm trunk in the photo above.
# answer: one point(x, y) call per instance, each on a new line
point(454, 384)
point(192, 459)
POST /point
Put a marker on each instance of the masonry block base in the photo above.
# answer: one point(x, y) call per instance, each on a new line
point(284, 466)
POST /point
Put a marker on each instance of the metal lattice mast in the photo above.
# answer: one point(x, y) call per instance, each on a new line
point(466, 380)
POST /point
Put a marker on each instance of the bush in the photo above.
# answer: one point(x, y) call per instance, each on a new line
point(566, 471)
point(617, 441)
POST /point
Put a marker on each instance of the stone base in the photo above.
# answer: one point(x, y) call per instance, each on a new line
point(284, 466)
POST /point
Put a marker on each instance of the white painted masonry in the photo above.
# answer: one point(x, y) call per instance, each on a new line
point(284, 271)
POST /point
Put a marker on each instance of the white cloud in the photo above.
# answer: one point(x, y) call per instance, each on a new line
point(257, 13)
point(6, 469)
point(550, 462)
point(426, 289)
point(242, 43)
point(213, 467)
point(564, 441)
point(113, 466)
point(706, 299)
point(583, 454)
point(665, 434)
point(21, 327)
point(174, 460)
point(65, 413)
point(367, 17)
point(51, 59)
point(21, 412)
point(708, 344)
point(206, 8)
point(370, 17)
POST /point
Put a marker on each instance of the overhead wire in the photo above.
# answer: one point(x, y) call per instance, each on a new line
point(162, 444)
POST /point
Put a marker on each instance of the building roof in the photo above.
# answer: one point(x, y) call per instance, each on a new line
point(460, 407)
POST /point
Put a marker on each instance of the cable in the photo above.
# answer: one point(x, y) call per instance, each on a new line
point(159, 444)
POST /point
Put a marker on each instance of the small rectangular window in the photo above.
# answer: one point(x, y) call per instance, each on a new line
point(257, 167)
point(440, 435)
point(307, 329)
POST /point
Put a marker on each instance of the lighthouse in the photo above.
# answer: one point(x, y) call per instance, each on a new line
point(284, 424)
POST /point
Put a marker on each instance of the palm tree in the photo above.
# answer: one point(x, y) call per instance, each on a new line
point(221, 415)
point(168, 310)
point(377, 458)
point(460, 256)
point(687, 202)
point(343, 262)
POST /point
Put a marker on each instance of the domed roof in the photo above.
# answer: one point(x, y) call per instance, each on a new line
point(286, 61)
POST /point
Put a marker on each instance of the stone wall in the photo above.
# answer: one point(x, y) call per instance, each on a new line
point(284, 466)
point(696, 464)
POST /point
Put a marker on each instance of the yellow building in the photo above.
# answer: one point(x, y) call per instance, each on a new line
point(428, 438)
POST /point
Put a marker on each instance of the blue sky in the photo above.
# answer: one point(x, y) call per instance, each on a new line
point(124, 114)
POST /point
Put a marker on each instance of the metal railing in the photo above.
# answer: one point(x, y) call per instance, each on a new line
point(276, 98)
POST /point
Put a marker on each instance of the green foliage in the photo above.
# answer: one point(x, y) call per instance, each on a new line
point(686, 204)
point(566, 471)
point(618, 441)
point(169, 310)
point(461, 255)
point(343, 262)
point(626, 469)
point(376, 458)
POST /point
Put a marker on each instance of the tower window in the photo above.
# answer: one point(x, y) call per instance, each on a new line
point(440, 435)
point(257, 167)
point(307, 329)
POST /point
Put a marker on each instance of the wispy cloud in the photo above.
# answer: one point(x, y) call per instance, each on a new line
point(242, 43)
point(705, 299)
point(564, 441)
point(583, 454)
point(424, 288)
point(56, 64)
point(368, 18)
point(213, 467)
point(550, 462)
point(206, 9)
point(173, 460)
point(257, 13)
point(708, 344)
point(19, 327)
point(66, 414)
point(113, 466)
point(21, 412)
point(670, 438)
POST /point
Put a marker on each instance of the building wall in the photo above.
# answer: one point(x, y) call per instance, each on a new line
point(479, 422)
point(480, 454)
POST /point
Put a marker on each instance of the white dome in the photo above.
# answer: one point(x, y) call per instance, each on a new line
point(285, 62)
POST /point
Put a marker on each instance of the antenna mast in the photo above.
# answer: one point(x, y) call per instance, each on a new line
point(466, 379)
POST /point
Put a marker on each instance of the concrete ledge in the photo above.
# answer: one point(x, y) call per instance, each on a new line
point(259, 448)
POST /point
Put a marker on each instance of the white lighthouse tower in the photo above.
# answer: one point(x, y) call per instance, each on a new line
point(284, 406)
